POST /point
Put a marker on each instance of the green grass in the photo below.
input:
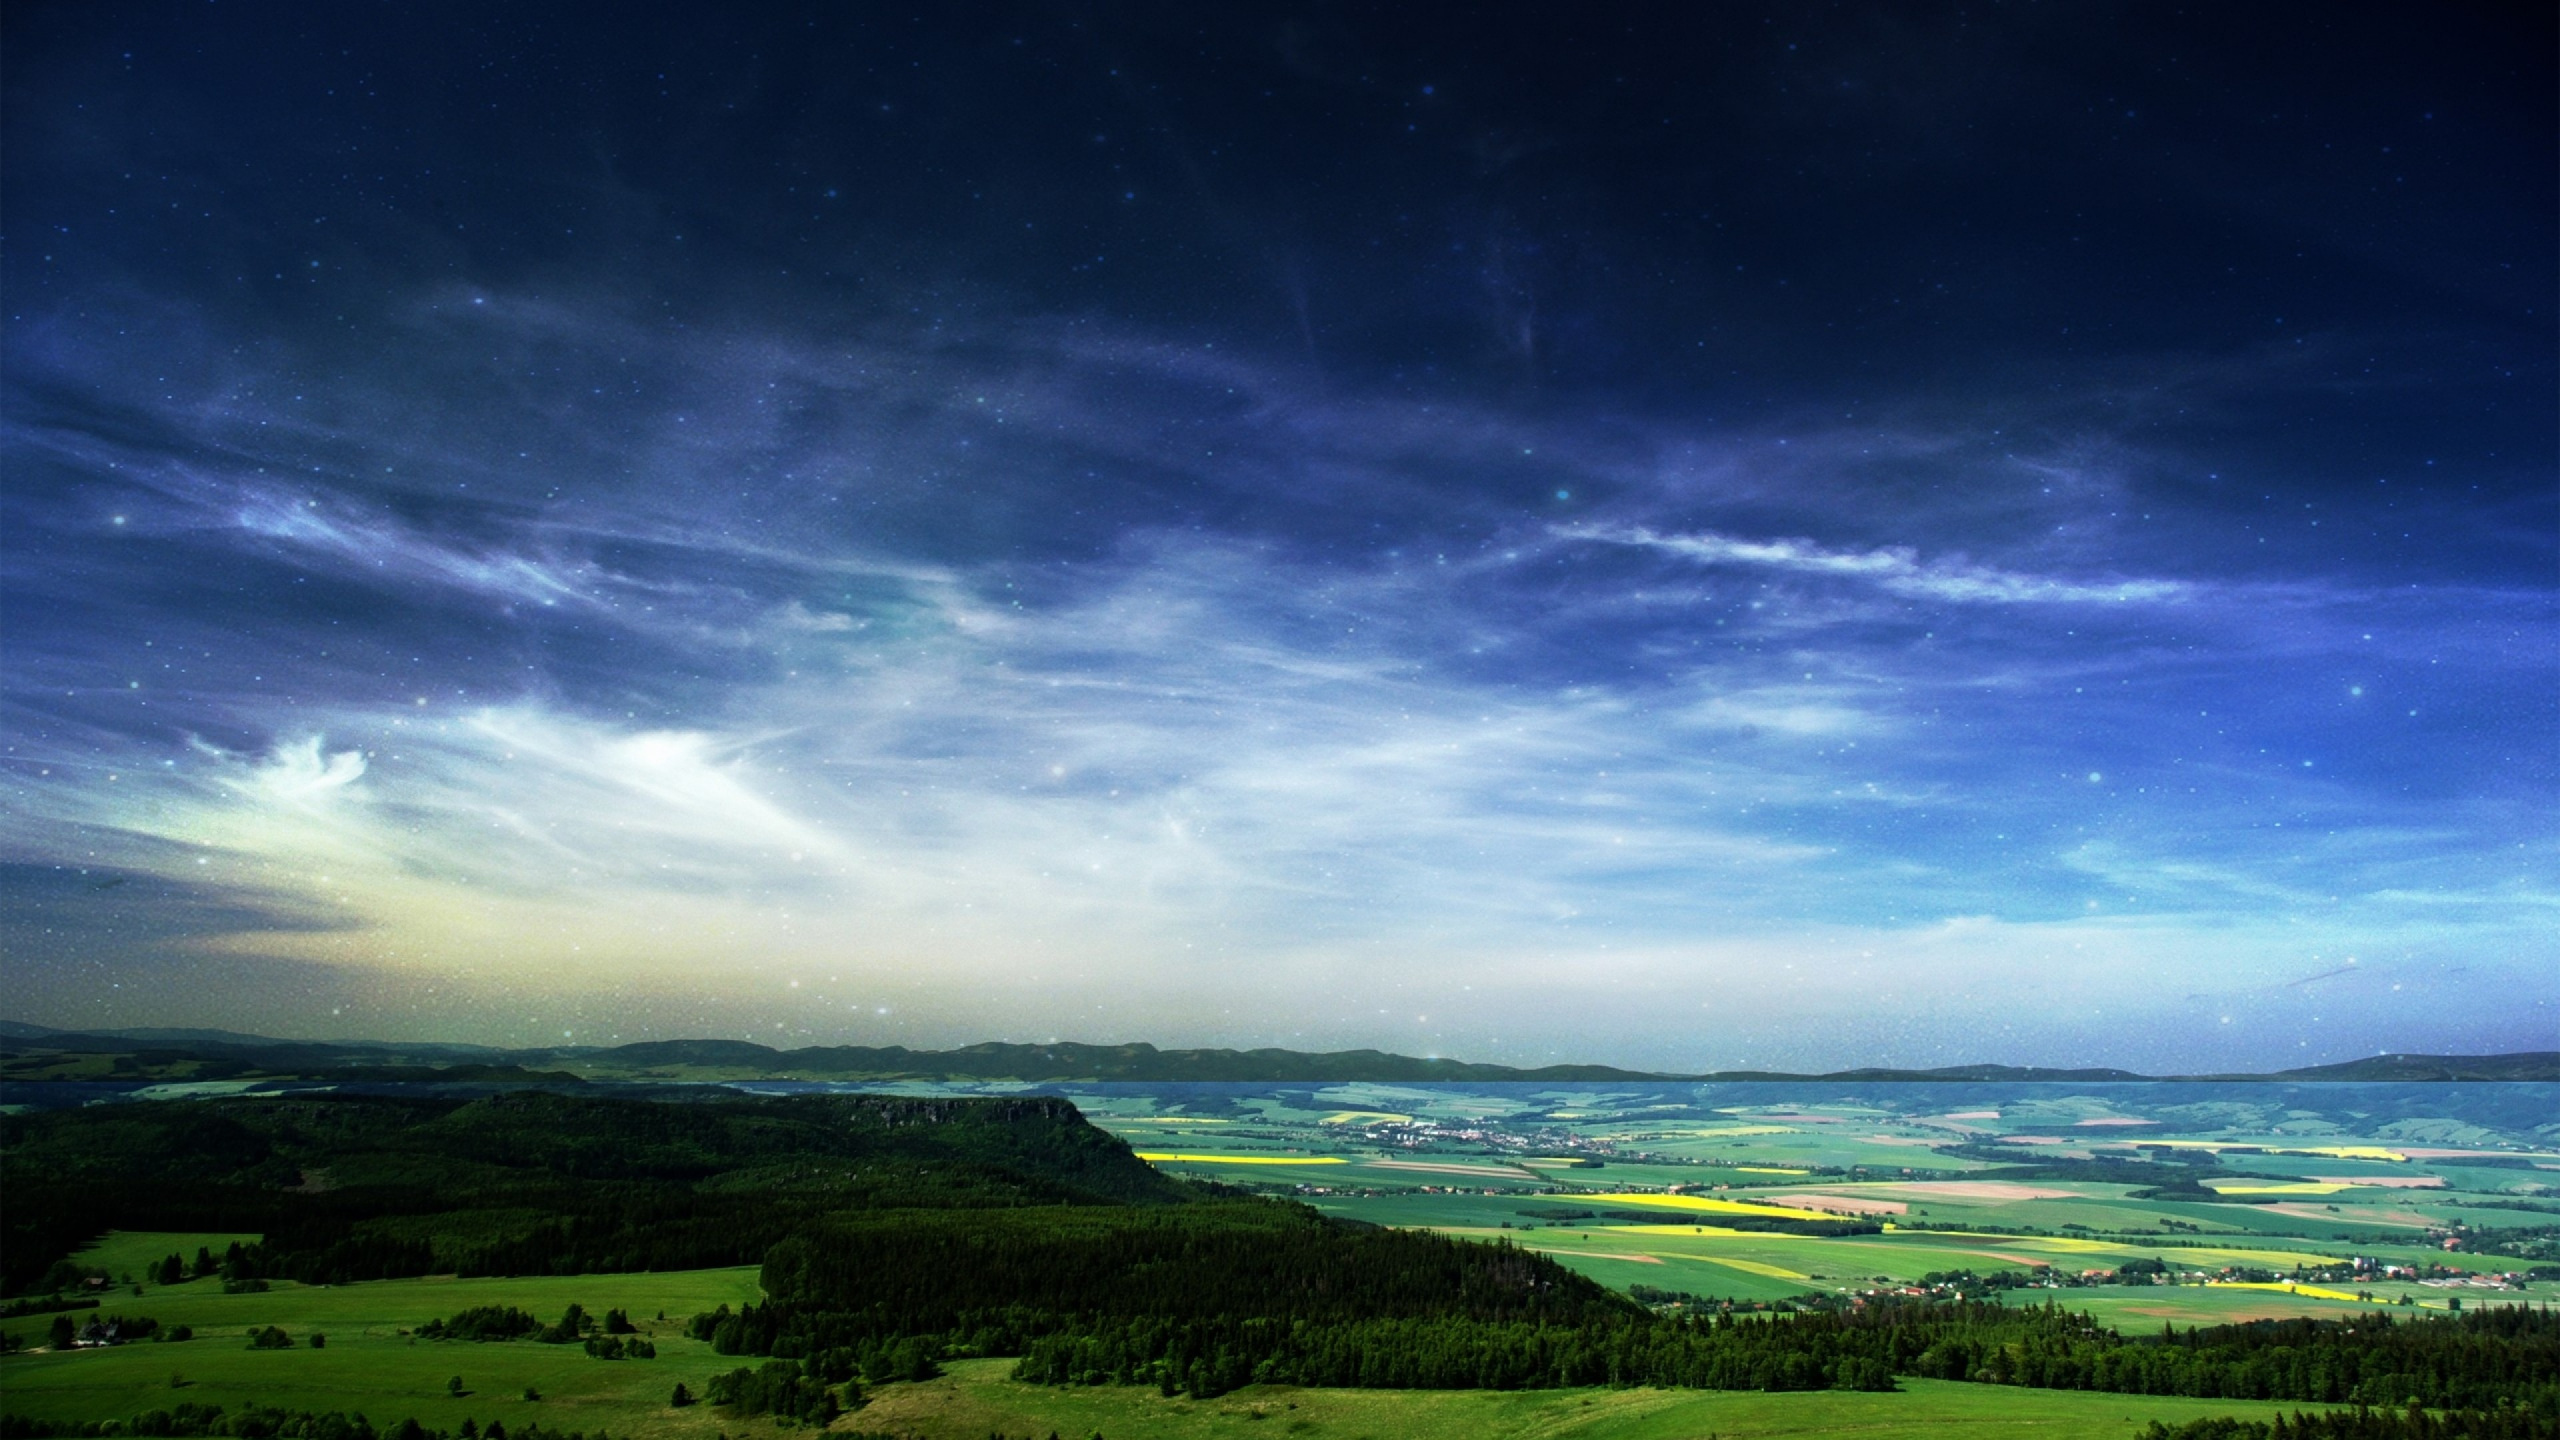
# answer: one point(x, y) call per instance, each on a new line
point(128, 1255)
point(976, 1400)
point(369, 1366)
point(380, 1307)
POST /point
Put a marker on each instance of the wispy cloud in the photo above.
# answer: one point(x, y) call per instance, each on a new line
point(1898, 569)
point(1278, 707)
point(327, 529)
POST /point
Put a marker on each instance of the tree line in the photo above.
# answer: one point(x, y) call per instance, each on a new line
point(2363, 1424)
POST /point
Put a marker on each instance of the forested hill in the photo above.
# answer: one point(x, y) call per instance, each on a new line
point(1068, 1061)
point(32, 1052)
point(529, 1181)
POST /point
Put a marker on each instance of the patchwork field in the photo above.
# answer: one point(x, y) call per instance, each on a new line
point(1672, 1186)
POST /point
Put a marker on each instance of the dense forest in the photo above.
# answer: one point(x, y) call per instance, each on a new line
point(2492, 1360)
point(532, 1182)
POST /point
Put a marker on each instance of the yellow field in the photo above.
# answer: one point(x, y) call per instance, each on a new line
point(2067, 1245)
point(2334, 1152)
point(2299, 1187)
point(1159, 1157)
point(1703, 1205)
point(1373, 1117)
point(2288, 1288)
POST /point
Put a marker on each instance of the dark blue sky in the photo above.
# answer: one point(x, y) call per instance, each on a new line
point(1854, 535)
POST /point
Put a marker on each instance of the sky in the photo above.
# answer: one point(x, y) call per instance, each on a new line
point(1688, 537)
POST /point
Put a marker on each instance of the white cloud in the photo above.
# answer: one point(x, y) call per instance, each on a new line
point(1199, 771)
point(382, 546)
point(298, 772)
point(1897, 569)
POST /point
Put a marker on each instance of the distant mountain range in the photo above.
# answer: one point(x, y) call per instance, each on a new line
point(33, 1052)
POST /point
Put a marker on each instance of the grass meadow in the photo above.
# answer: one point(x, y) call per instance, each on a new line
point(128, 1255)
point(369, 1366)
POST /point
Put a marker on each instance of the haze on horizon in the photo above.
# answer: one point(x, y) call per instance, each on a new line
point(1887, 536)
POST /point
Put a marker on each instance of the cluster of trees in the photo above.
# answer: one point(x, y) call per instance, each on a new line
point(190, 1421)
point(778, 1387)
point(531, 1182)
point(2538, 1242)
point(64, 1332)
point(2364, 1424)
point(174, 1271)
point(505, 1322)
point(879, 1359)
point(482, 1323)
point(1969, 1282)
point(45, 1304)
point(1256, 1257)
point(2483, 1358)
point(1650, 1295)
point(1205, 1358)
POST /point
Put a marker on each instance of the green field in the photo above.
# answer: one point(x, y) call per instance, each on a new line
point(2344, 1177)
point(368, 1365)
point(975, 1401)
point(128, 1255)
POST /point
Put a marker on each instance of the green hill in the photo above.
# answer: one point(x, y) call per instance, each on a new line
point(348, 1187)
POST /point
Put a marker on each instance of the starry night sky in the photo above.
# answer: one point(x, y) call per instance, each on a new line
point(1652, 534)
